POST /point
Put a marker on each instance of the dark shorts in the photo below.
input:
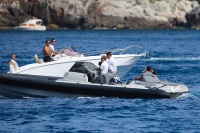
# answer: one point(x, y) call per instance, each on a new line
point(47, 59)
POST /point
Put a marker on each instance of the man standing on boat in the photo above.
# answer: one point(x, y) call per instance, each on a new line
point(103, 70)
point(112, 65)
point(46, 52)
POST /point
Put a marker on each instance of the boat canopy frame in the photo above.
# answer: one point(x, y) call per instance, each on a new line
point(135, 49)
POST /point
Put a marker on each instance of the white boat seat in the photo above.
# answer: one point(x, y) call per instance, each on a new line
point(38, 60)
point(74, 76)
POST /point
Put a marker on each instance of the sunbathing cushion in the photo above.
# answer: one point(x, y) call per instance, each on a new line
point(38, 60)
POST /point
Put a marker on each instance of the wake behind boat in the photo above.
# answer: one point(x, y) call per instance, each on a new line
point(79, 82)
point(69, 56)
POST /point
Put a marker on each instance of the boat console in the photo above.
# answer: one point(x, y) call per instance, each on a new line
point(86, 68)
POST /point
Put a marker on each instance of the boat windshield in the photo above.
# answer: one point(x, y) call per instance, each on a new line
point(69, 51)
point(38, 22)
point(83, 67)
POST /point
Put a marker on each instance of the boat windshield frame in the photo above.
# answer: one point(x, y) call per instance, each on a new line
point(133, 49)
point(69, 51)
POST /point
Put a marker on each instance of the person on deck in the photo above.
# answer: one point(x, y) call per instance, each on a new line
point(13, 62)
point(46, 52)
point(112, 65)
point(148, 70)
point(103, 70)
point(51, 46)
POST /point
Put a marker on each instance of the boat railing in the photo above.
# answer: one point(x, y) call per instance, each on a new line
point(71, 52)
point(133, 49)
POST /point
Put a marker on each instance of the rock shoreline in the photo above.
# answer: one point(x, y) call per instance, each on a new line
point(100, 14)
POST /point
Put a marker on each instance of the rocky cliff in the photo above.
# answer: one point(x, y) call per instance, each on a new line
point(131, 14)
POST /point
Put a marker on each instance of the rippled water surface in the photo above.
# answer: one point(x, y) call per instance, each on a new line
point(174, 54)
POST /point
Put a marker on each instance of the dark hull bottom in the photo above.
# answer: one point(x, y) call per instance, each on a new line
point(21, 92)
point(22, 86)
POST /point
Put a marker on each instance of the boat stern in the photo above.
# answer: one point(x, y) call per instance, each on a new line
point(176, 91)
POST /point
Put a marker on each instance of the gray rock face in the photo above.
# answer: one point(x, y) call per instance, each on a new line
point(130, 14)
point(193, 18)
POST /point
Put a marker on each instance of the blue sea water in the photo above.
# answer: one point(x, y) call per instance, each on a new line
point(174, 54)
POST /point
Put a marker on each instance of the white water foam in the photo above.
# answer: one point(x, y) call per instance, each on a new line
point(175, 59)
point(186, 95)
point(91, 97)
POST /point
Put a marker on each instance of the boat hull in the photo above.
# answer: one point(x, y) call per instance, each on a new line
point(35, 28)
point(61, 66)
point(22, 86)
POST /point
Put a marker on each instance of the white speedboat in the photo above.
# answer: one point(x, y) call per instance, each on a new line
point(79, 82)
point(32, 24)
point(69, 56)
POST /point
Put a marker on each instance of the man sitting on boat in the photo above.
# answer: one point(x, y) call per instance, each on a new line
point(103, 70)
point(13, 64)
point(148, 71)
point(51, 46)
point(46, 52)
